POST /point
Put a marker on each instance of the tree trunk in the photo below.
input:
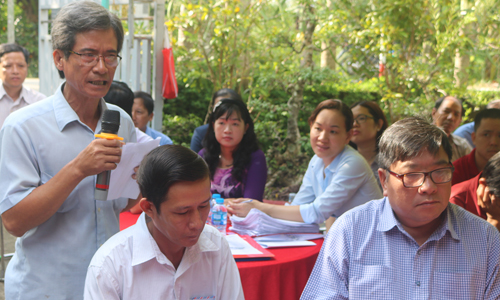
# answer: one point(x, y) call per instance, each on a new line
point(286, 175)
point(329, 49)
point(462, 59)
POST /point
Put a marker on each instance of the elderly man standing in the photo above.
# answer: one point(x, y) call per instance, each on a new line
point(49, 157)
point(412, 244)
point(13, 71)
point(447, 115)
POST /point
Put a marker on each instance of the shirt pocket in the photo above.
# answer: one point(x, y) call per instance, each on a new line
point(370, 282)
point(69, 203)
point(456, 286)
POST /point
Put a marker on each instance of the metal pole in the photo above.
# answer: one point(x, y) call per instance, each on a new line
point(11, 38)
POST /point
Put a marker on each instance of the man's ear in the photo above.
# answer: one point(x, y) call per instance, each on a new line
point(147, 207)
point(473, 137)
point(382, 175)
point(151, 116)
point(58, 56)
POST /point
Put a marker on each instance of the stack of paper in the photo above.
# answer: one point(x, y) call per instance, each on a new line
point(288, 240)
point(257, 223)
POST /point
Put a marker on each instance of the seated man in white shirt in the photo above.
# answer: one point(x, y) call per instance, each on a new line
point(169, 253)
point(13, 72)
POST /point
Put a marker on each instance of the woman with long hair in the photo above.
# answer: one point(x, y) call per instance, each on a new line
point(200, 131)
point(369, 124)
point(237, 166)
point(337, 178)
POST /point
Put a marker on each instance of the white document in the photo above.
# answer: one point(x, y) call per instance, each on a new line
point(239, 246)
point(257, 223)
point(121, 183)
point(286, 244)
point(289, 237)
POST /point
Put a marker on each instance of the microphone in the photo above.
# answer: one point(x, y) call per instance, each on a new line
point(109, 128)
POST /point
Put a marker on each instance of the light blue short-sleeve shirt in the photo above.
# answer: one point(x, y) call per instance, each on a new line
point(348, 181)
point(36, 142)
point(164, 139)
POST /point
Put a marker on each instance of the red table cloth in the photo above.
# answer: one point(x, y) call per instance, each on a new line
point(283, 277)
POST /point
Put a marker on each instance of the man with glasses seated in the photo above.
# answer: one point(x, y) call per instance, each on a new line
point(412, 244)
point(49, 158)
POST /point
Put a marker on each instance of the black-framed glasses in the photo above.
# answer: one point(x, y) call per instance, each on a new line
point(90, 59)
point(360, 119)
point(416, 179)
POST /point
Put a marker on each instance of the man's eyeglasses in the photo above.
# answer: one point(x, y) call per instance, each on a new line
point(90, 59)
point(360, 119)
point(416, 179)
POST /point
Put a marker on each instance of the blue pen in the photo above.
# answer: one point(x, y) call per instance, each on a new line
point(247, 201)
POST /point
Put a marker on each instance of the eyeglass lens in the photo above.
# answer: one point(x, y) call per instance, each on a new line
point(437, 176)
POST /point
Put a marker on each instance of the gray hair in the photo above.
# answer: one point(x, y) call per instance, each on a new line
point(406, 139)
point(82, 16)
point(494, 104)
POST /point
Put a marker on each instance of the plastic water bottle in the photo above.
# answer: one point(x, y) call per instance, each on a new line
point(212, 203)
point(219, 215)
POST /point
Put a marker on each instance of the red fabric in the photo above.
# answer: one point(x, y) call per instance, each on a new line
point(128, 219)
point(169, 87)
point(283, 277)
point(464, 195)
point(465, 168)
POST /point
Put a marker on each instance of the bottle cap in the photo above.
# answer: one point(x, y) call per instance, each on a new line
point(215, 196)
point(219, 200)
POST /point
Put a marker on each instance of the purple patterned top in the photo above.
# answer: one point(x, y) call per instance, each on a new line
point(253, 184)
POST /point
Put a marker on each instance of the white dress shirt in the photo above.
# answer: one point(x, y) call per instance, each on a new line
point(8, 105)
point(131, 266)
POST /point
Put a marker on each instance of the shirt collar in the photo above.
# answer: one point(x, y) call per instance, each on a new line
point(65, 114)
point(24, 94)
point(145, 247)
point(388, 220)
point(332, 167)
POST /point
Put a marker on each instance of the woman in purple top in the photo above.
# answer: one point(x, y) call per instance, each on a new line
point(237, 166)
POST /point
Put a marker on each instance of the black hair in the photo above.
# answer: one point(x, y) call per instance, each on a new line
point(406, 139)
point(247, 146)
point(120, 95)
point(165, 166)
point(377, 114)
point(12, 47)
point(489, 113)
point(227, 94)
point(491, 173)
point(333, 104)
point(439, 101)
point(147, 101)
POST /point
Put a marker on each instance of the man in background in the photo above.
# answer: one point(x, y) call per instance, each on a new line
point(13, 72)
point(466, 130)
point(142, 114)
point(447, 115)
point(481, 195)
point(486, 137)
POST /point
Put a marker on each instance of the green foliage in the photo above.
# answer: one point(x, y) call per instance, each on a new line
point(180, 128)
point(26, 33)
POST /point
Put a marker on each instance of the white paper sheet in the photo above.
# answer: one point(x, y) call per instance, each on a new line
point(239, 246)
point(121, 183)
point(286, 244)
